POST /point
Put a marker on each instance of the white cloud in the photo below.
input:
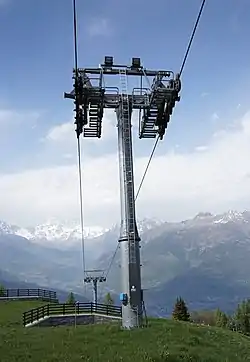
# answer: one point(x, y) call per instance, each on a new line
point(61, 132)
point(201, 148)
point(204, 94)
point(68, 156)
point(215, 117)
point(176, 186)
point(12, 117)
point(65, 132)
point(99, 27)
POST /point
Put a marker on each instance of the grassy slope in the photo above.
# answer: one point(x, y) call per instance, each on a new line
point(11, 312)
point(162, 341)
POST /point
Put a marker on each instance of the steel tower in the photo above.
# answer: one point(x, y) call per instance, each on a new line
point(155, 103)
point(94, 276)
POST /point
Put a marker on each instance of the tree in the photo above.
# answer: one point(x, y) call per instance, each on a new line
point(108, 300)
point(242, 317)
point(221, 319)
point(232, 324)
point(206, 317)
point(180, 311)
point(2, 290)
point(71, 298)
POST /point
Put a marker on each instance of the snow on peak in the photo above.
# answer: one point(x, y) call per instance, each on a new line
point(232, 216)
point(204, 215)
point(54, 231)
point(68, 233)
point(6, 228)
point(229, 216)
point(148, 223)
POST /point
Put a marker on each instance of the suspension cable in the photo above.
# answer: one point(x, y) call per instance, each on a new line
point(112, 259)
point(192, 36)
point(79, 145)
point(146, 169)
point(75, 36)
point(81, 204)
point(108, 270)
point(181, 71)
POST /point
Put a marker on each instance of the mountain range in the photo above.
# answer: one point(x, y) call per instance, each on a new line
point(204, 259)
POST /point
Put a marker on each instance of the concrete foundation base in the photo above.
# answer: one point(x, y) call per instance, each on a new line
point(70, 320)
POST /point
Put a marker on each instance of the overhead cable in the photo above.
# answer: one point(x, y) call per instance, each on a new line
point(192, 37)
point(146, 170)
point(78, 143)
point(112, 259)
point(181, 71)
point(81, 205)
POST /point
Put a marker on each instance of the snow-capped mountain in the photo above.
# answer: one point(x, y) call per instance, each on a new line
point(147, 224)
point(205, 258)
point(230, 216)
point(7, 229)
point(233, 216)
point(55, 233)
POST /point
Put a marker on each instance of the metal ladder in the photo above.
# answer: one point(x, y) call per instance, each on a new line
point(148, 129)
point(93, 130)
point(128, 167)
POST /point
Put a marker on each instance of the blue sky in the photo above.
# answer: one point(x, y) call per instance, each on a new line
point(37, 59)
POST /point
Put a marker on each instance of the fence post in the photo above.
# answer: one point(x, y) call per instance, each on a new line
point(64, 309)
point(47, 309)
point(75, 313)
point(91, 308)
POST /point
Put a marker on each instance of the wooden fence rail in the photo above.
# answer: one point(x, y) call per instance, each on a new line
point(70, 309)
point(47, 295)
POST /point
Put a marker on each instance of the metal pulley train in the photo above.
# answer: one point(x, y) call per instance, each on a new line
point(91, 97)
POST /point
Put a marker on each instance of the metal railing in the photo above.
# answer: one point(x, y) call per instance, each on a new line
point(46, 295)
point(65, 309)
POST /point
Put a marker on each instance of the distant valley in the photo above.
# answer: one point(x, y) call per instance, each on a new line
point(204, 259)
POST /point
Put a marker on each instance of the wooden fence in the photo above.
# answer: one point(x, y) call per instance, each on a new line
point(46, 295)
point(70, 309)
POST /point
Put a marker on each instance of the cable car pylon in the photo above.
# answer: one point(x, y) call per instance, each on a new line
point(155, 102)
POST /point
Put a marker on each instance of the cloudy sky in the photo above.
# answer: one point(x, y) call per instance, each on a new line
point(203, 162)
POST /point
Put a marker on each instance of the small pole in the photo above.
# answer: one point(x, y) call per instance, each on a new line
point(75, 312)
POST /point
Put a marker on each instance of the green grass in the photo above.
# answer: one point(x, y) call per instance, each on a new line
point(11, 312)
point(162, 341)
